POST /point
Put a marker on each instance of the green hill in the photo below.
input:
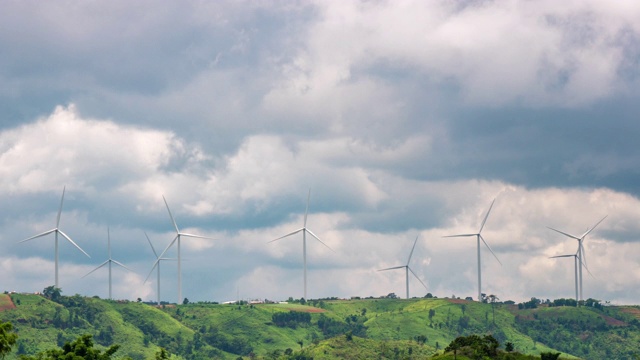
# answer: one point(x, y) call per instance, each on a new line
point(321, 329)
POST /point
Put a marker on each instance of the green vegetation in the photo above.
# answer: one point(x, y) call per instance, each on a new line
point(324, 329)
point(81, 348)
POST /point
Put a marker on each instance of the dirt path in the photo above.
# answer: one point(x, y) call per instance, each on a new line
point(6, 302)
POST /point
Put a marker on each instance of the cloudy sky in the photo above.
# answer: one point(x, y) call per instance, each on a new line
point(404, 118)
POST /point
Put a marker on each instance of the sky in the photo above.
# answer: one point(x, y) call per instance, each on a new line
point(401, 119)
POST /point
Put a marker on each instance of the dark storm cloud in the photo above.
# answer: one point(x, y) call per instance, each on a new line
point(402, 119)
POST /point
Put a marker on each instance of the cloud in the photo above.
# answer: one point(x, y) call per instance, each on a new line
point(402, 118)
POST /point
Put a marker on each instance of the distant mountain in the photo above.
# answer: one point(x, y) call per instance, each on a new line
point(321, 329)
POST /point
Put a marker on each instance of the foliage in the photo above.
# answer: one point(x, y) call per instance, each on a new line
point(549, 356)
point(481, 345)
point(378, 328)
point(52, 293)
point(81, 348)
point(7, 338)
point(291, 319)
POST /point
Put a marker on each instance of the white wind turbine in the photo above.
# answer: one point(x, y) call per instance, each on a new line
point(109, 261)
point(304, 231)
point(580, 253)
point(177, 238)
point(157, 264)
point(575, 265)
point(57, 231)
point(407, 268)
point(479, 237)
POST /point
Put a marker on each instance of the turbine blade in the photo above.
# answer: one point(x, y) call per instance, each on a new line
point(584, 256)
point(289, 234)
point(413, 248)
point(486, 216)
point(155, 263)
point(39, 235)
point(170, 215)
point(306, 210)
point(417, 277)
point(585, 266)
point(197, 236)
point(60, 208)
point(109, 242)
point(99, 266)
point(121, 264)
point(563, 233)
point(393, 268)
point(460, 235)
point(489, 247)
point(561, 256)
point(74, 244)
point(317, 238)
point(152, 248)
point(168, 246)
point(594, 226)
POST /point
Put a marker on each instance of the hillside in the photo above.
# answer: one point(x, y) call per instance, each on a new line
point(325, 329)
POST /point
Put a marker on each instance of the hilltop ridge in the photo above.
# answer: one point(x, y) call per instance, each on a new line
point(415, 328)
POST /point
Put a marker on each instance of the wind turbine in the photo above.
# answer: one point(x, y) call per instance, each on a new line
point(479, 237)
point(177, 238)
point(57, 231)
point(580, 253)
point(156, 264)
point(108, 261)
point(304, 231)
point(575, 265)
point(407, 268)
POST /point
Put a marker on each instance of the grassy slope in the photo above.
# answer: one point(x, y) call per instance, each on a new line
point(391, 326)
point(358, 348)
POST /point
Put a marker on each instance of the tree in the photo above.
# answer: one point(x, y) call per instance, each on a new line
point(549, 356)
point(483, 346)
point(508, 347)
point(349, 336)
point(185, 301)
point(162, 354)
point(81, 348)
point(493, 299)
point(7, 338)
point(52, 293)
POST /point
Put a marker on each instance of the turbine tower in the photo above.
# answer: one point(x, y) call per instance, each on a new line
point(177, 238)
point(156, 265)
point(108, 261)
point(479, 237)
point(581, 256)
point(407, 268)
point(575, 266)
point(57, 231)
point(304, 231)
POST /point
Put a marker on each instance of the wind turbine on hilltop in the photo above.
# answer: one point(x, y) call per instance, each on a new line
point(479, 237)
point(407, 268)
point(177, 238)
point(108, 261)
point(575, 265)
point(304, 231)
point(156, 264)
point(57, 231)
point(580, 253)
